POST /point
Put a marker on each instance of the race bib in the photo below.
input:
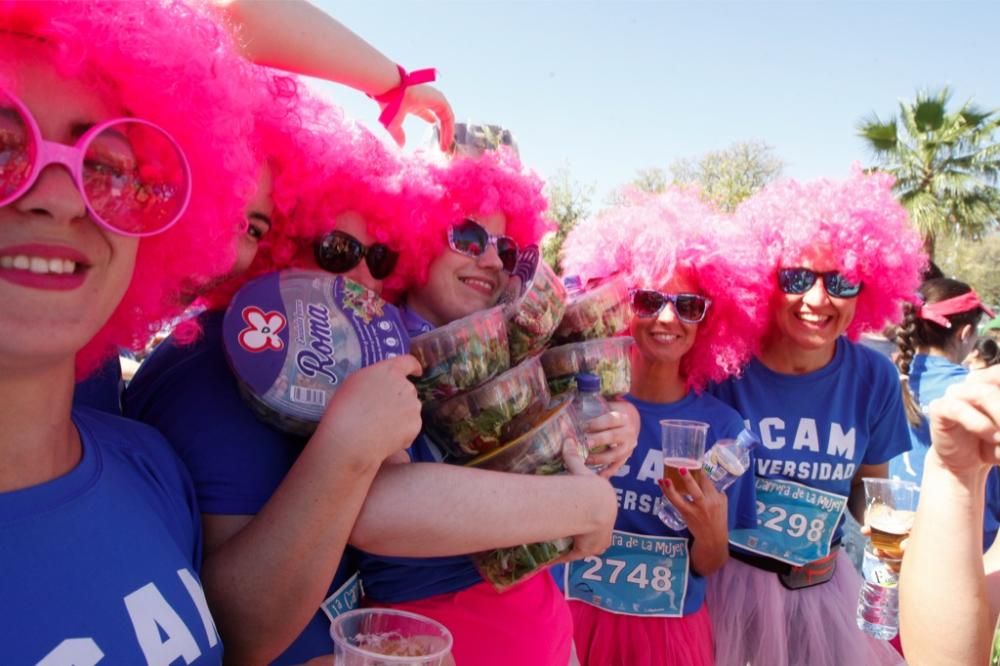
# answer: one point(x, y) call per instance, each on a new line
point(347, 597)
point(795, 523)
point(637, 575)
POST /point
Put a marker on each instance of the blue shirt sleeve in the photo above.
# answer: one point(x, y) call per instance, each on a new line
point(890, 432)
point(189, 394)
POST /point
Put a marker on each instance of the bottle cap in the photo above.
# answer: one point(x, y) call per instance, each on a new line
point(587, 382)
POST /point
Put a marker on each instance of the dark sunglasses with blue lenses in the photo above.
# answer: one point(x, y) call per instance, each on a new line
point(339, 252)
point(470, 238)
point(690, 308)
point(801, 280)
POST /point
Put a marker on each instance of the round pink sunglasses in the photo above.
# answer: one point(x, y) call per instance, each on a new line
point(134, 178)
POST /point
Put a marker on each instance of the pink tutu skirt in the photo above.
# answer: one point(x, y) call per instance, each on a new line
point(527, 625)
point(757, 621)
point(607, 639)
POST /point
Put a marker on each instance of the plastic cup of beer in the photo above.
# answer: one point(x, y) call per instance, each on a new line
point(890, 507)
point(683, 444)
point(386, 637)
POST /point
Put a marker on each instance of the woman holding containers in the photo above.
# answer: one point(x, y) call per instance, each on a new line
point(842, 259)
point(489, 209)
point(115, 120)
point(695, 320)
point(278, 508)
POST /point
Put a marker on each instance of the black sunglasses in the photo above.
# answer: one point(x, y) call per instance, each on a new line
point(471, 239)
point(339, 252)
point(801, 280)
point(690, 308)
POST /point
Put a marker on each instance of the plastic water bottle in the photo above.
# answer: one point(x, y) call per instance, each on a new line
point(589, 404)
point(878, 603)
point(726, 461)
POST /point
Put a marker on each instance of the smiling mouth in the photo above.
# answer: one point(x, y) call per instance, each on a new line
point(480, 285)
point(40, 265)
point(664, 338)
point(813, 320)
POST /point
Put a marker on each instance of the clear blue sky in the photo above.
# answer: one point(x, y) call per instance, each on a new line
point(609, 88)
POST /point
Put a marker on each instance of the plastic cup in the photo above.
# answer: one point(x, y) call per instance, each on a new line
point(683, 444)
point(385, 637)
point(890, 507)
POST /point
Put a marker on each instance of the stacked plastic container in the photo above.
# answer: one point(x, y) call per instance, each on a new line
point(496, 397)
point(588, 340)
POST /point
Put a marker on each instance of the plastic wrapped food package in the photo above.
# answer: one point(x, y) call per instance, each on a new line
point(500, 410)
point(603, 311)
point(505, 567)
point(608, 358)
point(538, 451)
point(461, 355)
point(533, 318)
point(292, 337)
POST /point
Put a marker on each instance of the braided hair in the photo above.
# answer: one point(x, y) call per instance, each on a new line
point(916, 332)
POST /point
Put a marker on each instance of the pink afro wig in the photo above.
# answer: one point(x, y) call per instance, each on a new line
point(495, 182)
point(649, 239)
point(340, 167)
point(857, 223)
point(167, 63)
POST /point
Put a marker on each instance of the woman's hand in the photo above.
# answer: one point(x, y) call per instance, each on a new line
point(375, 413)
point(965, 424)
point(428, 103)
point(597, 540)
point(618, 432)
point(706, 511)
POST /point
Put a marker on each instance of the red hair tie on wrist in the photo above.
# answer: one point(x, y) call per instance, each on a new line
point(393, 98)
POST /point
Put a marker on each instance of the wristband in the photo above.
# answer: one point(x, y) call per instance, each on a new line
point(393, 98)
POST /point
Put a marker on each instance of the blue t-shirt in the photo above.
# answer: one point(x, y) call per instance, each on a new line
point(103, 389)
point(237, 462)
point(400, 579)
point(639, 496)
point(818, 428)
point(991, 517)
point(100, 565)
point(930, 376)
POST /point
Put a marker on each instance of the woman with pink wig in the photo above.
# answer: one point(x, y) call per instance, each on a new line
point(278, 508)
point(493, 200)
point(114, 121)
point(696, 319)
point(842, 259)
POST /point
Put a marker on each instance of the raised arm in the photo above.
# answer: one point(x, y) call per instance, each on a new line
point(295, 36)
point(945, 615)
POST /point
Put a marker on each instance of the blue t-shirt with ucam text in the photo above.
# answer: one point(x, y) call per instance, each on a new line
point(100, 565)
point(237, 461)
point(639, 496)
point(818, 428)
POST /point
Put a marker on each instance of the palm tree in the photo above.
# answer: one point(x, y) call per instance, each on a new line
point(945, 163)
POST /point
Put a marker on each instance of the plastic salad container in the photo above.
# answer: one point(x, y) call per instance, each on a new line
point(608, 358)
point(534, 317)
point(461, 355)
point(539, 451)
point(603, 311)
point(292, 337)
point(482, 419)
